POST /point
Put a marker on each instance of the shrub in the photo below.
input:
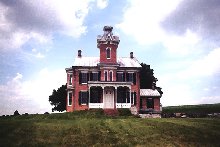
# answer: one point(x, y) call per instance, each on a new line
point(124, 112)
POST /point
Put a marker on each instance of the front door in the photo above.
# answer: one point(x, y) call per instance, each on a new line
point(109, 99)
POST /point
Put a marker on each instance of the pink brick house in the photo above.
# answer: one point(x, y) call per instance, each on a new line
point(108, 81)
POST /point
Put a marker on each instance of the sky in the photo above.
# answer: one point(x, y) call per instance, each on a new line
point(179, 39)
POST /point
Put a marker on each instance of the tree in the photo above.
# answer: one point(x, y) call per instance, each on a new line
point(147, 79)
point(16, 113)
point(58, 99)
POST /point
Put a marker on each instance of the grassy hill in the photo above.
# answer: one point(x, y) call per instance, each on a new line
point(87, 128)
point(204, 108)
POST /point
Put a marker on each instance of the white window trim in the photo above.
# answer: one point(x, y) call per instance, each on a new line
point(133, 93)
point(111, 72)
point(85, 72)
point(68, 97)
point(83, 91)
point(71, 80)
point(105, 71)
point(110, 52)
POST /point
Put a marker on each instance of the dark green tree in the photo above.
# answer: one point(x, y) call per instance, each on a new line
point(58, 99)
point(147, 79)
point(16, 113)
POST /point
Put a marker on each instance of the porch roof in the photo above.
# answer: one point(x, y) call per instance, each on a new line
point(149, 92)
point(93, 61)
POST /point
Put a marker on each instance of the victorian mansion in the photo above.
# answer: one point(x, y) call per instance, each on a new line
point(108, 81)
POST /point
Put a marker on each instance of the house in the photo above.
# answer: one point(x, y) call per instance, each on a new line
point(108, 81)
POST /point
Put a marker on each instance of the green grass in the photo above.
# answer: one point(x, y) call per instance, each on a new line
point(204, 108)
point(94, 129)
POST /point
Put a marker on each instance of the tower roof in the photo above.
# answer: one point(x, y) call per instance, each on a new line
point(107, 37)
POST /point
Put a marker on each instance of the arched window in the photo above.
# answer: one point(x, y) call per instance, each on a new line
point(108, 53)
point(110, 76)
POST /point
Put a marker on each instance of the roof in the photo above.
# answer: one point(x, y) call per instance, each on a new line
point(93, 61)
point(149, 92)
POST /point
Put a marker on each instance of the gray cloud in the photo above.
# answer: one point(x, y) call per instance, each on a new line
point(200, 16)
point(21, 20)
point(30, 15)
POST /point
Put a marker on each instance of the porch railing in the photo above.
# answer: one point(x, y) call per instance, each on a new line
point(95, 105)
point(123, 105)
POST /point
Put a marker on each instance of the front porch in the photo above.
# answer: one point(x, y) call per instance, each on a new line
point(110, 95)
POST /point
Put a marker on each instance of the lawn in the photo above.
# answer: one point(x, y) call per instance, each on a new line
point(94, 129)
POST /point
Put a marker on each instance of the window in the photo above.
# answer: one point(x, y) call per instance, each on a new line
point(108, 53)
point(94, 76)
point(120, 76)
point(133, 98)
point(150, 103)
point(110, 76)
point(70, 79)
point(131, 77)
point(70, 98)
point(95, 95)
point(106, 75)
point(83, 78)
point(123, 95)
point(83, 97)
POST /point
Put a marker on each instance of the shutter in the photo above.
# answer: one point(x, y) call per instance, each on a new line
point(127, 77)
point(91, 76)
point(128, 97)
point(135, 98)
point(87, 98)
point(99, 76)
point(87, 77)
point(80, 97)
point(80, 78)
point(132, 101)
point(123, 80)
point(134, 78)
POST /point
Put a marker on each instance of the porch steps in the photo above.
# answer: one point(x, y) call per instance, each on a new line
point(111, 112)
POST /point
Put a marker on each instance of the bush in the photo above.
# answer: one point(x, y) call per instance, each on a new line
point(124, 112)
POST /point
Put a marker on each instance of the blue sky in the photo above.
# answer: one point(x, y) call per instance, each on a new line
point(39, 39)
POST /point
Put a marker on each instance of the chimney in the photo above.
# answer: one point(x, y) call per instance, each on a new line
point(131, 55)
point(79, 53)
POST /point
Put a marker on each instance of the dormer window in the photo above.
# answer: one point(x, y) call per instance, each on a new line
point(108, 53)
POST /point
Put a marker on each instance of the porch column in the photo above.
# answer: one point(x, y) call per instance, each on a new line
point(103, 92)
point(130, 94)
point(116, 98)
point(89, 94)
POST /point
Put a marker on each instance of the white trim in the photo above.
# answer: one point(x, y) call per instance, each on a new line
point(68, 98)
point(111, 72)
point(69, 80)
point(132, 93)
point(106, 71)
point(110, 52)
point(88, 97)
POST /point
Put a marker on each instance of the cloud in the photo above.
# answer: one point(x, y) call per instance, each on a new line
point(21, 21)
point(180, 26)
point(31, 95)
point(142, 19)
point(198, 16)
point(209, 65)
point(101, 4)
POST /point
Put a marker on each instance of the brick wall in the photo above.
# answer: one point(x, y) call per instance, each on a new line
point(113, 56)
